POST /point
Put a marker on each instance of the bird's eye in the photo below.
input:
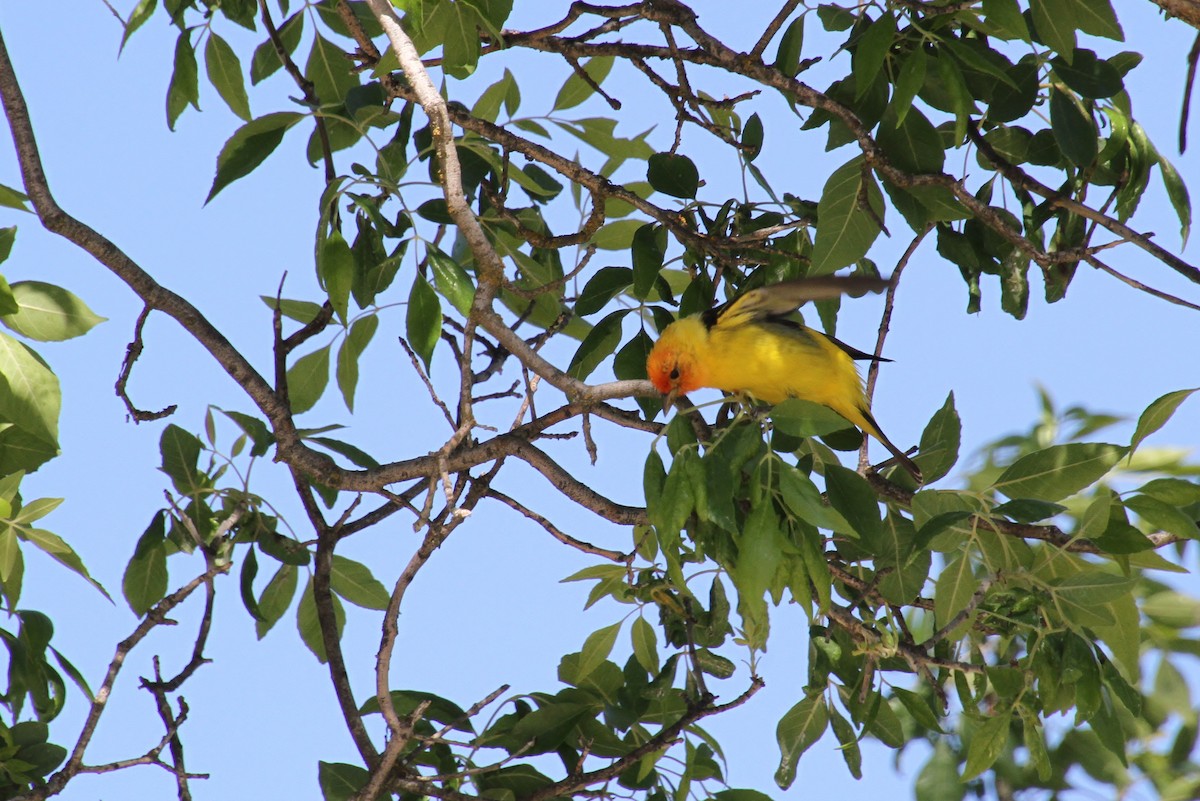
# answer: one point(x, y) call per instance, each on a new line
point(675, 374)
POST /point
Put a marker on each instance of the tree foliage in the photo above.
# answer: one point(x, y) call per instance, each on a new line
point(1023, 621)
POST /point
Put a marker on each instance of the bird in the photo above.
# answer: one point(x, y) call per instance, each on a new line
point(751, 345)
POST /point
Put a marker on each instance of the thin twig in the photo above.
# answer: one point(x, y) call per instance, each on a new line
point(885, 322)
point(1133, 282)
point(556, 532)
point(157, 616)
point(132, 351)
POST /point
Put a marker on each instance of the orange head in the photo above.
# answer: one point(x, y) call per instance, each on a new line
point(674, 366)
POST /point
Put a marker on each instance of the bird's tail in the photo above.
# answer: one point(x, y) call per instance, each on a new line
point(873, 429)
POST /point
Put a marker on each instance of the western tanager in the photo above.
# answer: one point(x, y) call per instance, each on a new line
point(750, 345)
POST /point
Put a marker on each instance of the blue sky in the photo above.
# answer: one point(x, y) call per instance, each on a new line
point(262, 715)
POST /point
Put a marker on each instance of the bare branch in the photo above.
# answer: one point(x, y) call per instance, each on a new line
point(157, 616)
point(132, 351)
point(558, 534)
point(577, 491)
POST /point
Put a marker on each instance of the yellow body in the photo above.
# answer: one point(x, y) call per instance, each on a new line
point(766, 361)
point(748, 347)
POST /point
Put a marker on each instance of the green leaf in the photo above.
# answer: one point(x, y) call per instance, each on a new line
point(437, 709)
point(309, 625)
point(1097, 18)
point(949, 75)
point(954, 589)
point(265, 61)
point(328, 68)
point(487, 107)
point(452, 281)
point(1054, 473)
point(1088, 590)
point(184, 88)
point(1004, 16)
point(673, 175)
point(9, 486)
point(357, 339)
point(335, 268)
point(940, 442)
point(141, 12)
point(740, 795)
point(180, 451)
point(801, 418)
point(1177, 193)
point(1074, 129)
point(10, 554)
point(339, 781)
point(455, 26)
point(987, 743)
point(225, 73)
point(576, 90)
point(917, 706)
point(1088, 75)
point(606, 284)
point(845, 231)
point(938, 779)
point(835, 18)
point(1056, 24)
point(759, 547)
point(276, 598)
point(249, 147)
point(255, 429)
point(424, 320)
point(145, 581)
point(616, 235)
point(913, 144)
point(752, 138)
point(872, 50)
point(307, 379)
point(62, 553)
point(910, 570)
point(791, 44)
point(354, 582)
point(1172, 609)
point(645, 645)
point(803, 499)
point(36, 510)
point(908, 83)
point(798, 729)
point(847, 743)
point(597, 346)
point(49, 313)
point(596, 648)
point(1175, 491)
point(1035, 744)
point(1157, 414)
point(8, 304)
point(30, 396)
point(1163, 516)
point(246, 584)
point(12, 199)
point(1014, 99)
point(357, 456)
point(852, 496)
point(649, 248)
point(302, 311)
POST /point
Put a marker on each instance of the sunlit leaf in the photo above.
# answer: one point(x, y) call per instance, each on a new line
point(249, 147)
point(798, 729)
point(225, 72)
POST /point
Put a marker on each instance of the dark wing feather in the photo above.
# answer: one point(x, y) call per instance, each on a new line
point(785, 297)
point(855, 353)
point(799, 330)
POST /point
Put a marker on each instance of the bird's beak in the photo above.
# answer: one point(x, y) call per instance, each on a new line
point(669, 399)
